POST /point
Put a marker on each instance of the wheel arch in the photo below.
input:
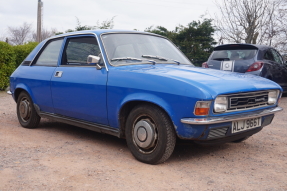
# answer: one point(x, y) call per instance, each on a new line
point(20, 88)
point(129, 105)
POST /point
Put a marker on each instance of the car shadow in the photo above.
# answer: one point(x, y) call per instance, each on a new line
point(184, 150)
point(188, 150)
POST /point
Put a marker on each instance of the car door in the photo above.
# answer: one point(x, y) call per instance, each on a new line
point(79, 88)
point(281, 70)
point(38, 75)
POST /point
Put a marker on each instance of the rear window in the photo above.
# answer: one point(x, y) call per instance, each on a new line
point(222, 55)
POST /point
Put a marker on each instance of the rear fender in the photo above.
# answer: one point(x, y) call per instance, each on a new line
point(22, 87)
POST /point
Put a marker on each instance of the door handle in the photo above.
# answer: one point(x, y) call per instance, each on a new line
point(58, 74)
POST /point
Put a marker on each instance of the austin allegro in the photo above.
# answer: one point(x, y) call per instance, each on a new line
point(139, 86)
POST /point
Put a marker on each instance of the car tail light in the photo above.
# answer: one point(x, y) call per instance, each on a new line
point(255, 66)
point(204, 65)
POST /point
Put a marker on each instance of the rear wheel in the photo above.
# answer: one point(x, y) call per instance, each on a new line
point(150, 134)
point(26, 112)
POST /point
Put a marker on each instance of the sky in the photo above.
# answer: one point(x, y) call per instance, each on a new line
point(129, 14)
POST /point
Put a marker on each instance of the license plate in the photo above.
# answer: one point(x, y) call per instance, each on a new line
point(243, 125)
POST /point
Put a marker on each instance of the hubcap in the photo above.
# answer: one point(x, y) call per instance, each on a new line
point(144, 134)
point(24, 109)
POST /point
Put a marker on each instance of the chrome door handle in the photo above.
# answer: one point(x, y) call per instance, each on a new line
point(58, 74)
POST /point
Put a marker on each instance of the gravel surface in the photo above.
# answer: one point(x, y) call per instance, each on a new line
point(57, 156)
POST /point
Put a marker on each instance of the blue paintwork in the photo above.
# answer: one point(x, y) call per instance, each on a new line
point(98, 95)
point(81, 93)
point(36, 80)
point(176, 89)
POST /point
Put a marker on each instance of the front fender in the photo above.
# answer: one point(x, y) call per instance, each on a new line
point(146, 97)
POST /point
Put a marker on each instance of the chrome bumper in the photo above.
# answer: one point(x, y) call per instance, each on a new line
point(214, 120)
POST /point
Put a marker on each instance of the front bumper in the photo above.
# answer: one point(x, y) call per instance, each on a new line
point(214, 120)
point(219, 129)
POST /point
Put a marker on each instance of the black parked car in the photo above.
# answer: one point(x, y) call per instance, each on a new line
point(259, 60)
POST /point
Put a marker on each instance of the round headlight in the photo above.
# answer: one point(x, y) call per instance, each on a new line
point(220, 104)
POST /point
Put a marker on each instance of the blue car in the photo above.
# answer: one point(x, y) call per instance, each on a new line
point(139, 86)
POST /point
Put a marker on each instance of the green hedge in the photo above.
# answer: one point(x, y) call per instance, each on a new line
point(22, 51)
point(10, 58)
point(7, 64)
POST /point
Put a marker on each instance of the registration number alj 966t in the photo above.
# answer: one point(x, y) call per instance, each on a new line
point(246, 124)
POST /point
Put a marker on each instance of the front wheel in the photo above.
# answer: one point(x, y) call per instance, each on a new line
point(26, 112)
point(150, 134)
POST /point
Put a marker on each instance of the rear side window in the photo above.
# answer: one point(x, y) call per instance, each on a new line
point(268, 55)
point(49, 56)
point(222, 55)
point(277, 56)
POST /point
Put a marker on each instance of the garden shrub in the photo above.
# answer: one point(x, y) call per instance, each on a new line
point(10, 58)
point(7, 64)
point(5, 71)
point(22, 51)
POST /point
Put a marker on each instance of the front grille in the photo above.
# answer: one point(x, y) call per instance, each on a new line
point(244, 101)
point(217, 133)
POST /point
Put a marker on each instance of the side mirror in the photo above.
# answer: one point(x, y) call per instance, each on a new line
point(94, 60)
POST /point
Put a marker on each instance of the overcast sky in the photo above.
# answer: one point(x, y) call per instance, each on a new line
point(129, 14)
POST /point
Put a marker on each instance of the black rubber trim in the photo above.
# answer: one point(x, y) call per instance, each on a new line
point(80, 123)
point(26, 63)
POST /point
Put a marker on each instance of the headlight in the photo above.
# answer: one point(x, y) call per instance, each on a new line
point(220, 104)
point(272, 97)
point(202, 108)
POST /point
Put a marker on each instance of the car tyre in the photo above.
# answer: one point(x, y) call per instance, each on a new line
point(26, 112)
point(150, 134)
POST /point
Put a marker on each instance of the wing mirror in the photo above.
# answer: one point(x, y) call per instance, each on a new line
point(94, 60)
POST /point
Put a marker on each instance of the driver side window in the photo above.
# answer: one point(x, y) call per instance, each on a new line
point(78, 49)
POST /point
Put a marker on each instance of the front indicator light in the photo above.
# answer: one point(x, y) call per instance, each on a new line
point(202, 108)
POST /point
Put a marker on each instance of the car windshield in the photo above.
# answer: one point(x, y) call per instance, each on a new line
point(126, 49)
point(222, 55)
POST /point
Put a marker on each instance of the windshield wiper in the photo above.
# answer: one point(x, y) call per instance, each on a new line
point(178, 63)
point(125, 58)
point(155, 57)
point(221, 59)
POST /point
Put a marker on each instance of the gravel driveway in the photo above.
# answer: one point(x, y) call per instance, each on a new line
point(63, 157)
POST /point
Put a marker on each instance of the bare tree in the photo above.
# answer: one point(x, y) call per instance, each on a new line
point(250, 21)
point(19, 35)
point(279, 30)
point(45, 33)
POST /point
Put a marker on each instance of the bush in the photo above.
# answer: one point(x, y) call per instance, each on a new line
point(10, 58)
point(7, 64)
point(22, 51)
point(5, 71)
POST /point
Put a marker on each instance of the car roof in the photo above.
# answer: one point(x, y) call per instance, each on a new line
point(241, 46)
point(99, 32)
